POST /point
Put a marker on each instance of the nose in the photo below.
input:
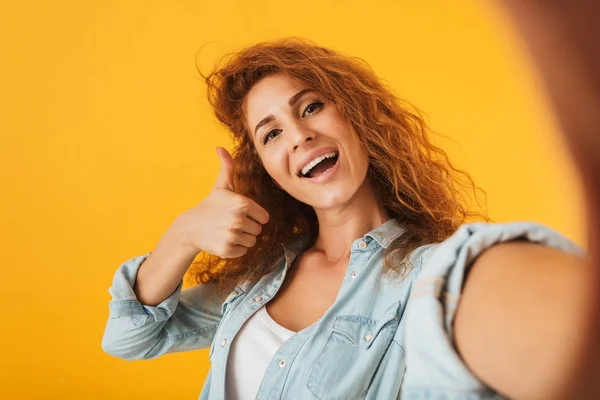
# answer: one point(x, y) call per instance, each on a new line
point(300, 134)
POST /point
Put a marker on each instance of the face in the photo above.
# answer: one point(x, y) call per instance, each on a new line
point(304, 144)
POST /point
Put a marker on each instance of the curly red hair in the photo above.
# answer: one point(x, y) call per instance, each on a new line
point(415, 179)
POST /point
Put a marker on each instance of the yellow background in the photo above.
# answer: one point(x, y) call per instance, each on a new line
point(106, 136)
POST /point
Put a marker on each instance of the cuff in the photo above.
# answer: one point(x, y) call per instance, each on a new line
point(124, 301)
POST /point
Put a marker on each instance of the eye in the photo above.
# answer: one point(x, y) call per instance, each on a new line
point(313, 108)
point(273, 133)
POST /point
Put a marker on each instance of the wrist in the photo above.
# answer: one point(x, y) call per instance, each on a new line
point(175, 239)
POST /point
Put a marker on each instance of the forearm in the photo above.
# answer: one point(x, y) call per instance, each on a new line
point(562, 37)
point(163, 270)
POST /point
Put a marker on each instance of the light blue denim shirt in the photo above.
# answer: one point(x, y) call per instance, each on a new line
point(383, 338)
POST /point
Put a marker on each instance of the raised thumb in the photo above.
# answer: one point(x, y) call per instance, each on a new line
point(225, 178)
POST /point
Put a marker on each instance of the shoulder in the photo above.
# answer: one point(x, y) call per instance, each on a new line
point(441, 273)
point(471, 240)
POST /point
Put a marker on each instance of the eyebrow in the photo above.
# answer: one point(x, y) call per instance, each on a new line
point(293, 100)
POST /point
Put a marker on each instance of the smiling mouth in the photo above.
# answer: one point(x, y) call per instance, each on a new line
point(321, 167)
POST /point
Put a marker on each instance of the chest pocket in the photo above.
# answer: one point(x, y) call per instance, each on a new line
point(347, 363)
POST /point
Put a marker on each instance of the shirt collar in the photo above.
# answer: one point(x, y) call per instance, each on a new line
point(293, 249)
point(387, 232)
point(384, 235)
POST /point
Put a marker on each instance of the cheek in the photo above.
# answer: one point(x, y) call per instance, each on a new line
point(361, 163)
point(357, 155)
point(276, 166)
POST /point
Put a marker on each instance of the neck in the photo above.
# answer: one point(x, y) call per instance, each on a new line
point(339, 227)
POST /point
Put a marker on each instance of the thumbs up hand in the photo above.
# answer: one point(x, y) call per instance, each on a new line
point(225, 178)
point(225, 223)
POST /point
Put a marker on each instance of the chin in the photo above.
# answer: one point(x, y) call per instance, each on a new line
point(332, 199)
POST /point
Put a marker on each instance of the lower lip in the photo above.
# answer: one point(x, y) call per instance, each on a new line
point(327, 175)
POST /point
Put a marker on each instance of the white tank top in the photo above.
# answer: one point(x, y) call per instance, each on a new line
point(251, 352)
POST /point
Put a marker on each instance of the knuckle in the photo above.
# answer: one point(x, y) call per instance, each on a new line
point(239, 222)
point(227, 249)
point(231, 237)
point(243, 205)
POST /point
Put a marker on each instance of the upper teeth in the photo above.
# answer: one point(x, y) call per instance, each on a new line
point(317, 160)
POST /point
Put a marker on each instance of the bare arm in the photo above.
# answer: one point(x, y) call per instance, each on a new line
point(224, 224)
point(562, 36)
point(522, 322)
point(528, 323)
point(163, 270)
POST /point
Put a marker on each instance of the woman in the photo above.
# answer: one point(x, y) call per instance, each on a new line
point(336, 253)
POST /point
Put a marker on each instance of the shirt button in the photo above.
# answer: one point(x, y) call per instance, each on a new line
point(369, 337)
point(224, 342)
point(281, 363)
point(363, 245)
point(353, 275)
point(258, 299)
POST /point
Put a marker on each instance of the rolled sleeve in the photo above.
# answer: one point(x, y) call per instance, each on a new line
point(124, 301)
point(186, 320)
point(434, 367)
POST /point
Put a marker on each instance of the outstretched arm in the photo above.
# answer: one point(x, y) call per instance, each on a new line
point(528, 323)
point(563, 39)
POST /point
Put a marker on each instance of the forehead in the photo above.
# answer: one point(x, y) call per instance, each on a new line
point(268, 95)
